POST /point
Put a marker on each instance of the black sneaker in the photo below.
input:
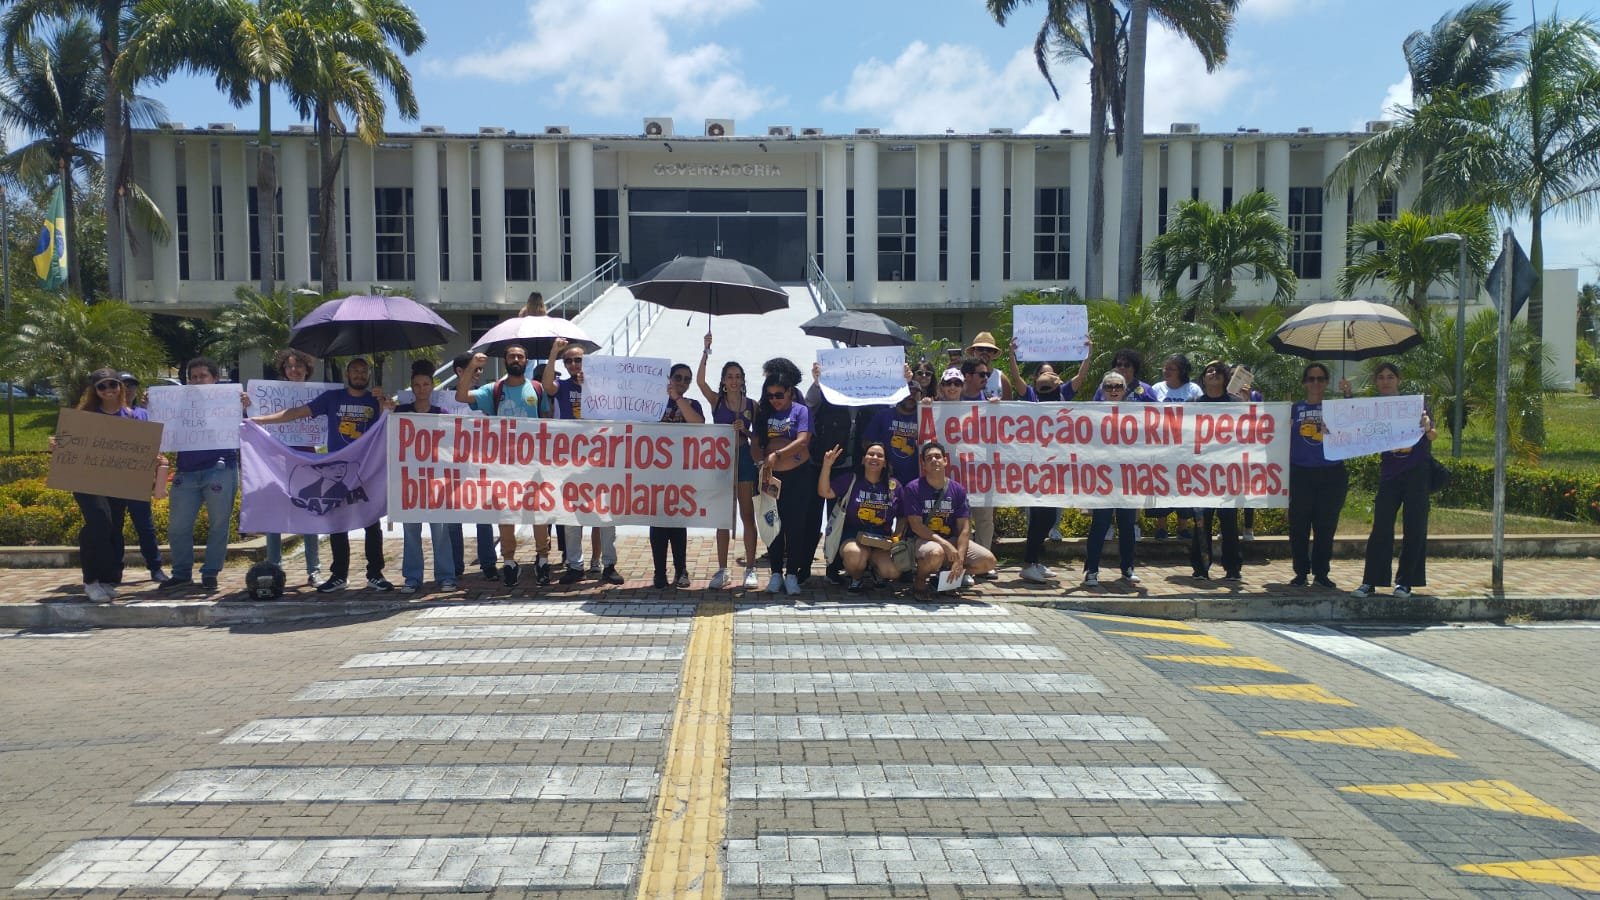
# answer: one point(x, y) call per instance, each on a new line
point(610, 575)
point(209, 582)
point(1298, 581)
point(542, 572)
point(490, 574)
point(1324, 581)
point(509, 573)
point(682, 581)
point(571, 576)
point(856, 586)
point(379, 584)
point(331, 585)
point(660, 580)
point(175, 582)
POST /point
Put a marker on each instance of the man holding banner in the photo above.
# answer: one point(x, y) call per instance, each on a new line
point(513, 395)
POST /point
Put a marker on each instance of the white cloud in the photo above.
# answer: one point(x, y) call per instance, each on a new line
point(1276, 9)
point(1394, 96)
point(618, 56)
point(929, 89)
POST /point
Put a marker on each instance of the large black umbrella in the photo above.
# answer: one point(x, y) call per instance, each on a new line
point(1345, 329)
point(710, 284)
point(363, 324)
point(858, 329)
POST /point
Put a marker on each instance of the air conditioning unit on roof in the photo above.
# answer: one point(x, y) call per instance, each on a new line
point(557, 129)
point(867, 131)
point(811, 131)
point(220, 126)
point(719, 128)
point(779, 131)
point(1379, 125)
point(1185, 127)
point(1002, 131)
point(433, 129)
point(658, 127)
point(492, 130)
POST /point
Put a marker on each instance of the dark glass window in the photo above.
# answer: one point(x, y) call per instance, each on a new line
point(1305, 231)
point(1052, 235)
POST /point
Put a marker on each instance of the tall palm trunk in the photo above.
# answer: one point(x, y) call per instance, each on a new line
point(68, 203)
point(331, 233)
point(1133, 153)
point(115, 138)
point(266, 192)
point(1094, 261)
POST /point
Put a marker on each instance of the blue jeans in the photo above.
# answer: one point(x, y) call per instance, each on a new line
point(486, 538)
point(1099, 527)
point(216, 488)
point(309, 541)
point(443, 554)
point(144, 526)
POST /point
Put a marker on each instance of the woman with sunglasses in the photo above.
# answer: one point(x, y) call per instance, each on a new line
point(783, 437)
point(872, 499)
point(1317, 485)
point(1214, 389)
point(681, 409)
point(100, 542)
point(1113, 387)
point(1403, 477)
point(731, 405)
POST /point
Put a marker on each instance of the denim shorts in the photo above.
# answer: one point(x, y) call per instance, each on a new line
point(747, 466)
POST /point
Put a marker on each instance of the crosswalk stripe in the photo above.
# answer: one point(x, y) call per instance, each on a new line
point(1400, 740)
point(375, 784)
point(848, 609)
point(1581, 873)
point(1139, 620)
point(878, 652)
point(514, 656)
point(1058, 862)
point(590, 727)
point(914, 682)
point(557, 609)
point(746, 628)
point(1050, 727)
point(1500, 796)
point(490, 685)
point(1194, 640)
point(973, 782)
point(486, 632)
point(1253, 663)
point(1302, 693)
point(364, 864)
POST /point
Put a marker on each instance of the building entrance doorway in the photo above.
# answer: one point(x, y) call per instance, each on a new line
point(766, 229)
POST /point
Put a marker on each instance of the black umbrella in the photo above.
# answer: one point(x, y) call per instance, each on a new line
point(858, 329)
point(364, 324)
point(710, 284)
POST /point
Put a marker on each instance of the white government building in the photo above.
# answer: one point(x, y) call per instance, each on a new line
point(471, 223)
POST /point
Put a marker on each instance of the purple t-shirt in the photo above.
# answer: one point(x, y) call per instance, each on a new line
point(1140, 394)
point(940, 508)
point(870, 508)
point(348, 417)
point(721, 414)
point(674, 414)
point(898, 432)
point(1395, 463)
point(1305, 441)
point(569, 399)
point(783, 428)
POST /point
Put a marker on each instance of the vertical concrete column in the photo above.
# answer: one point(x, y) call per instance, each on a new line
point(958, 227)
point(991, 221)
point(1111, 250)
point(1150, 215)
point(1024, 185)
point(341, 185)
point(929, 179)
point(458, 208)
point(1244, 169)
point(835, 222)
point(425, 218)
point(1335, 217)
point(492, 211)
point(1211, 173)
point(296, 212)
point(363, 216)
point(235, 212)
point(580, 181)
point(1079, 190)
point(1275, 176)
point(197, 200)
point(866, 221)
point(162, 153)
point(547, 212)
point(1180, 183)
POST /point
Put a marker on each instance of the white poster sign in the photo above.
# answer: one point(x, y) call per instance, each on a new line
point(863, 376)
point(570, 472)
point(197, 416)
point(1366, 425)
point(268, 397)
point(625, 388)
point(1052, 333)
point(1107, 455)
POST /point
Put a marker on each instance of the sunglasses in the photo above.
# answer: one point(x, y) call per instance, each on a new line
point(777, 395)
point(683, 378)
point(1108, 388)
point(1311, 378)
point(107, 385)
point(572, 361)
point(981, 374)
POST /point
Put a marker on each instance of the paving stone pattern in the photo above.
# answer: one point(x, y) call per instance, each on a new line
point(1170, 783)
point(373, 784)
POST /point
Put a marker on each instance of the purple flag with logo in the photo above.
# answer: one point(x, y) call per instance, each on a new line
point(285, 491)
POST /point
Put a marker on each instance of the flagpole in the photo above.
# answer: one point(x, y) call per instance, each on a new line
point(1497, 566)
point(5, 277)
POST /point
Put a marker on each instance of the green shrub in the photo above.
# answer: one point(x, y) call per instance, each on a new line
point(1588, 368)
point(14, 466)
point(1546, 493)
point(32, 514)
point(1013, 522)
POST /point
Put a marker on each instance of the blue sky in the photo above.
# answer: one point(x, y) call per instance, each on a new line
point(601, 66)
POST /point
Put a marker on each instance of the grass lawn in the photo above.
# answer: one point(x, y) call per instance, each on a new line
point(1357, 519)
point(35, 422)
point(1572, 435)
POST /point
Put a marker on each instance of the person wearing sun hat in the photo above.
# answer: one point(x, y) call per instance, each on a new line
point(984, 348)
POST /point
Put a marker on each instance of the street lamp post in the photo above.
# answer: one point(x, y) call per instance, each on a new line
point(1459, 413)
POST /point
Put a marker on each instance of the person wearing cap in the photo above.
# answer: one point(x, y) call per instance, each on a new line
point(209, 477)
point(950, 385)
point(139, 512)
point(1113, 386)
point(984, 348)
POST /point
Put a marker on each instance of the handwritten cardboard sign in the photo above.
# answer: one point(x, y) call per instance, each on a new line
point(1366, 425)
point(863, 376)
point(197, 416)
point(105, 455)
point(1051, 333)
point(268, 397)
point(625, 388)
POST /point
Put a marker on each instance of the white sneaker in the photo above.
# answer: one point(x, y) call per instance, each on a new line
point(1249, 535)
point(1130, 577)
point(775, 583)
point(751, 579)
point(98, 593)
point(1091, 579)
point(1036, 573)
point(1402, 591)
point(1055, 534)
point(1362, 592)
point(791, 585)
point(719, 580)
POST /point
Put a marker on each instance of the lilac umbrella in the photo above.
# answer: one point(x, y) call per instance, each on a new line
point(362, 324)
point(536, 334)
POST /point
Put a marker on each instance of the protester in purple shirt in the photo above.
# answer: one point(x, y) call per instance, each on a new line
point(1214, 380)
point(209, 477)
point(940, 520)
point(872, 520)
point(1113, 385)
point(1127, 362)
point(1317, 485)
point(783, 438)
point(1403, 476)
point(683, 410)
point(731, 405)
point(896, 429)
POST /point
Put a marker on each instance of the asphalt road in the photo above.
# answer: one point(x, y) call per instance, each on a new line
point(657, 749)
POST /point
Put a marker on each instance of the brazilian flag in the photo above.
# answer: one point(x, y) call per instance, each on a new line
point(50, 255)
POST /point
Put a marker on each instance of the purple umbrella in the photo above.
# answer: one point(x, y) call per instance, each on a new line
point(536, 334)
point(361, 324)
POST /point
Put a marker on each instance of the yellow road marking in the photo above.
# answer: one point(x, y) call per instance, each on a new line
point(1581, 873)
point(1254, 663)
point(1196, 640)
point(1303, 693)
point(681, 855)
point(1401, 740)
point(1137, 620)
point(1500, 796)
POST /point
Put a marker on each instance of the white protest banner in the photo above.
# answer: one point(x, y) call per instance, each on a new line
point(625, 388)
point(1107, 455)
point(566, 471)
point(197, 416)
point(1365, 425)
point(1051, 333)
point(863, 376)
point(268, 397)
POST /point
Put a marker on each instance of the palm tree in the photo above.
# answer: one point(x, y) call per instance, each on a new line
point(1241, 339)
point(1589, 314)
point(342, 62)
point(1398, 251)
point(62, 339)
point(1247, 236)
point(1133, 152)
point(1156, 328)
point(258, 320)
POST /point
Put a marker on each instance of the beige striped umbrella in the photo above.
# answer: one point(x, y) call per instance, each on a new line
point(1345, 329)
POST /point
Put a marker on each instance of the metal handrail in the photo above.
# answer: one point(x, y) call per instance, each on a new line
point(639, 319)
point(821, 287)
point(580, 294)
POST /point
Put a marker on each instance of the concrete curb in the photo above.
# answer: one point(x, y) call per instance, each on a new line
point(62, 556)
point(1448, 546)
